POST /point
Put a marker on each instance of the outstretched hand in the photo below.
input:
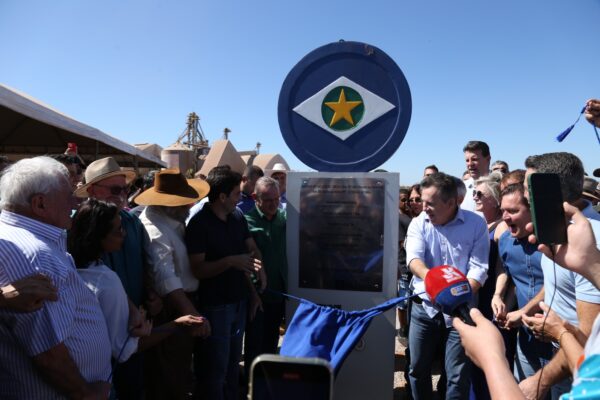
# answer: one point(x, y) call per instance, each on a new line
point(482, 343)
point(545, 327)
point(245, 262)
point(198, 325)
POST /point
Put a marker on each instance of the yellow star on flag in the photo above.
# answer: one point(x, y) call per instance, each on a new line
point(342, 109)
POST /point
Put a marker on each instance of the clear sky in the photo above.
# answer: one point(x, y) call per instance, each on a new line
point(512, 73)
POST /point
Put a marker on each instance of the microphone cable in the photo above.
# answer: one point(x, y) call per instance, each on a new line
point(537, 392)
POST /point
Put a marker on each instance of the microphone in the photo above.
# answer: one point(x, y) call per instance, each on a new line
point(449, 289)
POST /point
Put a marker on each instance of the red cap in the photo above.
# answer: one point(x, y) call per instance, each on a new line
point(71, 148)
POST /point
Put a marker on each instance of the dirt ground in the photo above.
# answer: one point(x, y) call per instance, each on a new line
point(400, 391)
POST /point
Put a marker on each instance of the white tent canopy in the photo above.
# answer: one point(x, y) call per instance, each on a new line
point(29, 128)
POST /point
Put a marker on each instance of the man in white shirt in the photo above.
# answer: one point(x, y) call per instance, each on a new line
point(477, 159)
point(168, 204)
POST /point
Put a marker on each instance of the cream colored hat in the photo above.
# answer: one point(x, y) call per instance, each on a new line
point(278, 167)
point(102, 169)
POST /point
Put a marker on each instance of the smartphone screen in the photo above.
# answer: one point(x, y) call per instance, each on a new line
point(285, 378)
point(547, 213)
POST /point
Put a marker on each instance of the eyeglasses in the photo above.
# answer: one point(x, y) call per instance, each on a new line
point(415, 200)
point(115, 190)
point(403, 200)
point(478, 194)
point(500, 169)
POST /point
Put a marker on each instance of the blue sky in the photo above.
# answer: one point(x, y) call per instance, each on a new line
point(511, 73)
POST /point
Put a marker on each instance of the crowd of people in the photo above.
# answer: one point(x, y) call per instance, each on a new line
point(109, 292)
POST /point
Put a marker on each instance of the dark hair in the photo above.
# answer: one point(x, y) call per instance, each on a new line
point(517, 174)
point(433, 167)
point(445, 184)
point(416, 187)
point(91, 224)
point(67, 159)
point(253, 171)
point(531, 162)
point(475, 145)
point(500, 162)
point(515, 188)
point(223, 180)
point(405, 190)
point(569, 169)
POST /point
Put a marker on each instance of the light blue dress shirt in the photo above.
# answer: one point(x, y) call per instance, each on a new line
point(462, 243)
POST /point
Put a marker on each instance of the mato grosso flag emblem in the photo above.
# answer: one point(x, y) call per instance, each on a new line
point(345, 106)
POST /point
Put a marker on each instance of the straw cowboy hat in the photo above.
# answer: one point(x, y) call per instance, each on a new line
point(102, 169)
point(171, 189)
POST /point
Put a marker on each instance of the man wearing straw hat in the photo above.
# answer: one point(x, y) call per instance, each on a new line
point(168, 373)
point(106, 181)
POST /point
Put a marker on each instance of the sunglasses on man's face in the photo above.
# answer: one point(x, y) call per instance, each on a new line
point(116, 190)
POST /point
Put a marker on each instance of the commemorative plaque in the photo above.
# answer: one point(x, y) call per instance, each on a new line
point(341, 233)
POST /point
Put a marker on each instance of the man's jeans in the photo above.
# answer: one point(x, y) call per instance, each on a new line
point(532, 355)
point(216, 359)
point(424, 336)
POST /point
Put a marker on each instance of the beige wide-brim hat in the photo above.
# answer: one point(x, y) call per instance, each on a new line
point(102, 169)
point(171, 189)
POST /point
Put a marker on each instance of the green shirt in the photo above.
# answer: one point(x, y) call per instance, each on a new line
point(270, 238)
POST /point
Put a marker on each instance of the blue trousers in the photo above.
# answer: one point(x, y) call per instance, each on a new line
point(216, 359)
point(532, 355)
point(425, 335)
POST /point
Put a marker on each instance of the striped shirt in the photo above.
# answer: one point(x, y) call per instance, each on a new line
point(27, 247)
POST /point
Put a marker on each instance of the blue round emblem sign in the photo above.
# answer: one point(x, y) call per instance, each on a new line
point(345, 107)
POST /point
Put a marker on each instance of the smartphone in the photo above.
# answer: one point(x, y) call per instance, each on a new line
point(547, 213)
point(274, 377)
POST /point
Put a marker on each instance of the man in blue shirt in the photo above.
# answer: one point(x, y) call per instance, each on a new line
point(522, 262)
point(442, 234)
point(251, 175)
